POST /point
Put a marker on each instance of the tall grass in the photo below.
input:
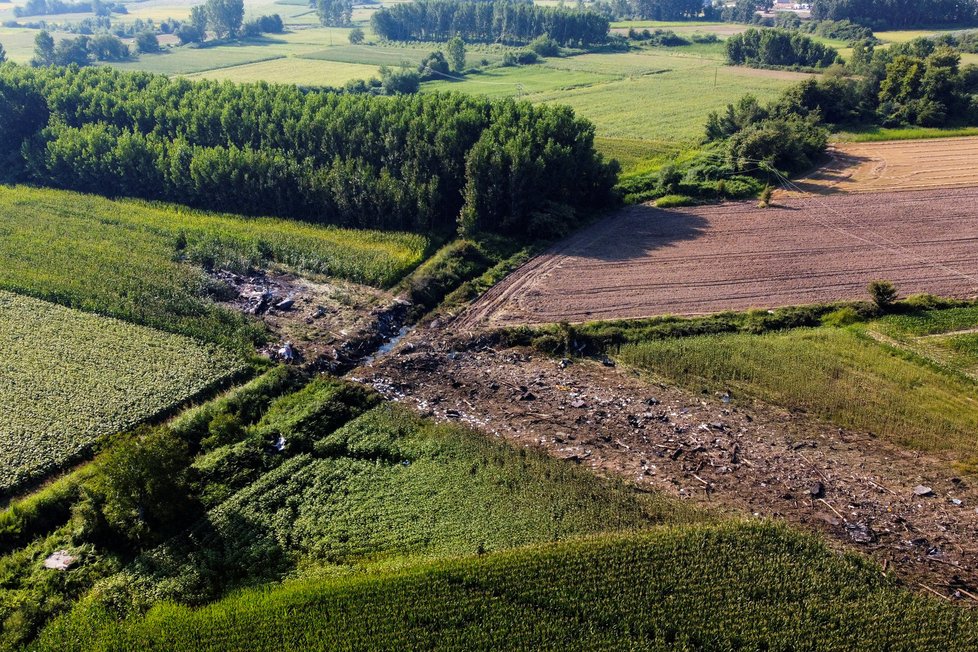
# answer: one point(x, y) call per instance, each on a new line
point(840, 375)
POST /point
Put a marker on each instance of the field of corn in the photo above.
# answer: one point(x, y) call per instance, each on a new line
point(143, 263)
point(737, 586)
point(893, 385)
point(384, 488)
point(69, 378)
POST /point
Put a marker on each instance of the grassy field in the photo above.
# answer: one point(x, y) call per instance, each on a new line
point(293, 70)
point(876, 134)
point(123, 258)
point(738, 586)
point(70, 378)
point(659, 96)
point(842, 375)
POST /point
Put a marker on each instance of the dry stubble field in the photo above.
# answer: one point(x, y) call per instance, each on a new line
point(897, 165)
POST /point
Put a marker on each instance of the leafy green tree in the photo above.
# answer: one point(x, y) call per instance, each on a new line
point(195, 29)
point(335, 13)
point(456, 53)
point(3, 54)
point(356, 36)
point(72, 51)
point(225, 17)
point(142, 491)
point(147, 43)
point(108, 47)
point(43, 49)
point(434, 66)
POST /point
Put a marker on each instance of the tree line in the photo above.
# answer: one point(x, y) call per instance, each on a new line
point(428, 163)
point(778, 47)
point(488, 22)
point(895, 14)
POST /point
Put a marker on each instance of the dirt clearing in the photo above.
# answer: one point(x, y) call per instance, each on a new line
point(897, 165)
point(644, 262)
point(716, 450)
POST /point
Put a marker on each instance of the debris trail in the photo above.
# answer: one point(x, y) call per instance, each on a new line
point(722, 450)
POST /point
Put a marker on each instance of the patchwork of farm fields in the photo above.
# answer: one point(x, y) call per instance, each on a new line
point(644, 261)
point(897, 165)
point(69, 378)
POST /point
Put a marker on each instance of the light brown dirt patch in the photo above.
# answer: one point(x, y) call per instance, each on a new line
point(644, 262)
point(897, 165)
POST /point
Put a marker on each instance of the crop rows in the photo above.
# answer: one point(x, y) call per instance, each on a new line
point(69, 378)
point(730, 587)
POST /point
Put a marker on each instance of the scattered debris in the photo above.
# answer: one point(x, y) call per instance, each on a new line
point(860, 533)
point(921, 490)
point(61, 560)
point(746, 456)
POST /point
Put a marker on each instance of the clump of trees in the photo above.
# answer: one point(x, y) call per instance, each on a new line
point(48, 7)
point(897, 14)
point(660, 9)
point(488, 22)
point(335, 13)
point(427, 163)
point(778, 48)
point(82, 50)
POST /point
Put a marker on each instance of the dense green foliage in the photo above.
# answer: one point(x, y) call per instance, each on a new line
point(753, 586)
point(411, 163)
point(487, 22)
point(898, 14)
point(129, 260)
point(71, 378)
point(665, 10)
point(778, 48)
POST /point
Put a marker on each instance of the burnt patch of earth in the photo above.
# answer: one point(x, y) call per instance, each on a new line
point(327, 325)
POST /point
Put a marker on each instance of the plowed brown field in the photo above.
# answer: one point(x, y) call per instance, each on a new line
point(897, 165)
point(644, 261)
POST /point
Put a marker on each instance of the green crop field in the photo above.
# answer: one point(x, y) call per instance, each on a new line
point(843, 375)
point(122, 258)
point(293, 70)
point(659, 96)
point(738, 586)
point(70, 378)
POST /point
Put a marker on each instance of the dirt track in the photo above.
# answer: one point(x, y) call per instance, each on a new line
point(643, 261)
point(897, 165)
point(730, 453)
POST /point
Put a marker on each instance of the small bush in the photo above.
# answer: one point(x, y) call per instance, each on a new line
point(883, 294)
point(356, 36)
point(674, 201)
point(842, 317)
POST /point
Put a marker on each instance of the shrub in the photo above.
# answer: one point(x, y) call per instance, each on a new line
point(545, 46)
point(842, 317)
point(883, 293)
point(673, 201)
point(356, 36)
point(147, 43)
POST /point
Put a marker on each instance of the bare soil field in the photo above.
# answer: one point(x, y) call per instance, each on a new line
point(897, 165)
point(644, 261)
point(729, 453)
